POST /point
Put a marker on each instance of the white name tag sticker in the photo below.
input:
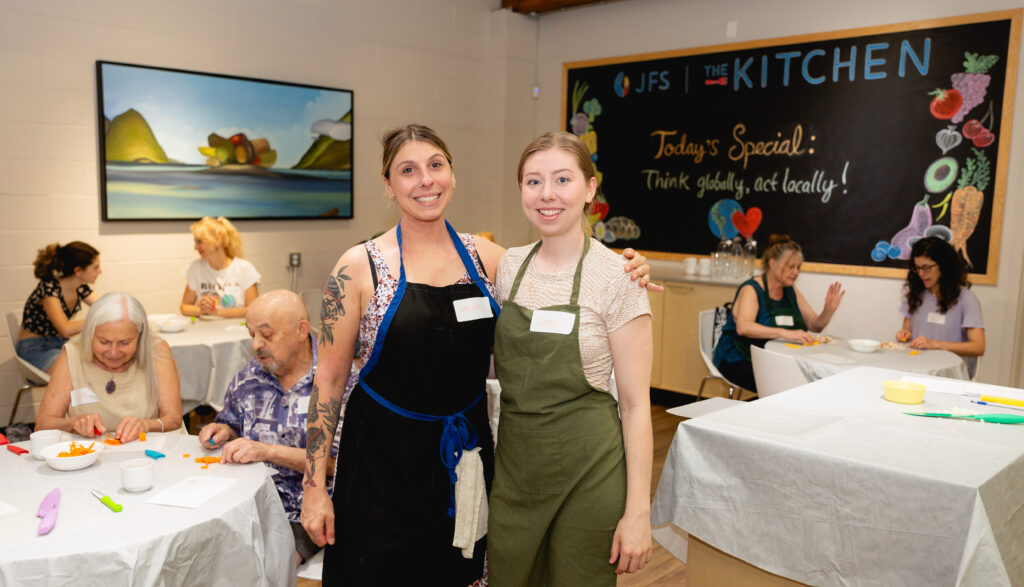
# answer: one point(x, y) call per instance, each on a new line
point(936, 318)
point(552, 321)
point(83, 395)
point(468, 309)
point(302, 406)
point(783, 320)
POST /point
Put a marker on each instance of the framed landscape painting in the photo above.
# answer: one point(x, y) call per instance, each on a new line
point(180, 145)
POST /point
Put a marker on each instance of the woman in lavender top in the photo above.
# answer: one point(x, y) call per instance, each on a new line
point(939, 310)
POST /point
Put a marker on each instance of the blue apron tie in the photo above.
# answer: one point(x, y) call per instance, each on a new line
point(457, 433)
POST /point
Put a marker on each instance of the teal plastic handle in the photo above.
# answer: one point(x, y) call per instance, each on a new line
point(111, 504)
point(1000, 418)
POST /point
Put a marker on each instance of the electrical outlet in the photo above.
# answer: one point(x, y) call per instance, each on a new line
point(294, 259)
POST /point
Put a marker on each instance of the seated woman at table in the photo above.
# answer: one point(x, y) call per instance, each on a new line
point(219, 282)
point(115, 376)
point(770, 307)
point(65, 274)
point(939, 311)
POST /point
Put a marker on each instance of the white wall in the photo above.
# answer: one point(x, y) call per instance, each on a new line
point(444, 63)
point(642, 26)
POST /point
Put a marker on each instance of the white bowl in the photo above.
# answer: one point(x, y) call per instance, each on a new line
point(71, 463)
point(176, 324)
point(864, 345)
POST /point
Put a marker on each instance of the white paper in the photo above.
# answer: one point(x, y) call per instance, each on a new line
point(192, 491)
point(6, 508)
point(831, 358)
point(552, 321)
point(476, 308)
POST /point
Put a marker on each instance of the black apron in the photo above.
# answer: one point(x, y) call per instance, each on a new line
point(392, 498)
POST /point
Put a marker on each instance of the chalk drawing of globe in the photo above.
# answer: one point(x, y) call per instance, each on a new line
point(720, 218)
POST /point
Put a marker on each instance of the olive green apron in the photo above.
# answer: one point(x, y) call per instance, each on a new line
point(560, 474)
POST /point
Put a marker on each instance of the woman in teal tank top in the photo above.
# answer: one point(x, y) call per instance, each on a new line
point(770, 306)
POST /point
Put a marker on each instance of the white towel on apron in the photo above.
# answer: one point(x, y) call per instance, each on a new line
point(470, 502)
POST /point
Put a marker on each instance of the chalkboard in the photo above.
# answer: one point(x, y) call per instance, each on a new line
point(855, 143)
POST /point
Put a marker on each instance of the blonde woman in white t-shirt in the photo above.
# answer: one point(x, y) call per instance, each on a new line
point(219, 282)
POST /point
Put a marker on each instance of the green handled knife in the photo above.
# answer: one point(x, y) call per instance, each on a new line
point(116, 507)
point(994, 418)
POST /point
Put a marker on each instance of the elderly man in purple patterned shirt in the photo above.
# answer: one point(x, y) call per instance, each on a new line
point(264, 415)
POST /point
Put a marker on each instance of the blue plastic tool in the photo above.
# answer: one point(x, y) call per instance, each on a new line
point(154, 454)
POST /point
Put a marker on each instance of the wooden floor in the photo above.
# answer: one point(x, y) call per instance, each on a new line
point(663, 568)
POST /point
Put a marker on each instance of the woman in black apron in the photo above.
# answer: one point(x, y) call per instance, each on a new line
point(770, 306)
point(420, 301)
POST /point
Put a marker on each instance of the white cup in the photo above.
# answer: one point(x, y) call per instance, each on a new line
point(690, 265)
point(41, 439)
point(704, 266)
point(137, 474)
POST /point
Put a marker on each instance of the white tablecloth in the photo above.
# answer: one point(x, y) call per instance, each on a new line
point(829, 484)
point(823, 360)
point(208, 354)
point(240, 536)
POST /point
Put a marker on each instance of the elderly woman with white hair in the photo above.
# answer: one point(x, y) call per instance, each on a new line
point(115, 376)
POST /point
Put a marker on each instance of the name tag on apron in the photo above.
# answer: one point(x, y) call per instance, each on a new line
point(468, 309)
point(783, 320)
point(82, 395)
point(936, 318)
point(552, 322)
point(302, 406)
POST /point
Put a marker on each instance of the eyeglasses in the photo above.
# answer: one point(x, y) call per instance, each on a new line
point(925, 268)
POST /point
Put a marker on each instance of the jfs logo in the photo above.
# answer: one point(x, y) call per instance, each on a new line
point(647, 82)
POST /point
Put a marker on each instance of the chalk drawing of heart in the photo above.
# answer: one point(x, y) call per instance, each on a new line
point(747, 224)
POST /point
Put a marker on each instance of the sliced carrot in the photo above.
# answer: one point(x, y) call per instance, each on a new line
point(142, 436)
point(186, 455)
point(77, 450)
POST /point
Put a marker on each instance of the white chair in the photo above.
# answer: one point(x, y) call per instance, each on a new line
point(34, 376)
point(707, 325)
point(774, 372)
point(313, 568)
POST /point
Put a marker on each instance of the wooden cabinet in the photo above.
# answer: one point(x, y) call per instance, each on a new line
point(677, 364)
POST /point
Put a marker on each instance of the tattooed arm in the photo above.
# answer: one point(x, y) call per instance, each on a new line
point(346, 293)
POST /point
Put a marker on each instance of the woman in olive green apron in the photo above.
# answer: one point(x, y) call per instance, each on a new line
point(770, 307)
point(570, 502)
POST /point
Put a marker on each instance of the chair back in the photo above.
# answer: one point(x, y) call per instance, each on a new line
point(29, 372)
point(774, 372)
point(704, 331)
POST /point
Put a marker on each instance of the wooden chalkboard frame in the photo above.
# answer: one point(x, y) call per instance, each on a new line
point(990, 274)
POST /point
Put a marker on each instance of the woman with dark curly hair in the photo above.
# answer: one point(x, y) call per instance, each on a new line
point(65, 273)
point(940, 311)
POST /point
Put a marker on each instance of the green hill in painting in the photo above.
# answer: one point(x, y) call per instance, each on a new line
point(328, 154)
point(130, 139)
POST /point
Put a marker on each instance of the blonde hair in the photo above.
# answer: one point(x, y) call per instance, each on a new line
point(116, 306)
point(395, 138)
point(777, 245)
point(572, 145)
point(219, 230)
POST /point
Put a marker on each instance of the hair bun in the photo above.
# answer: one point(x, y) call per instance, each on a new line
point(776, 239)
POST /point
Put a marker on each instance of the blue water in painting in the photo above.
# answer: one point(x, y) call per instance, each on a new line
point(184, 191)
